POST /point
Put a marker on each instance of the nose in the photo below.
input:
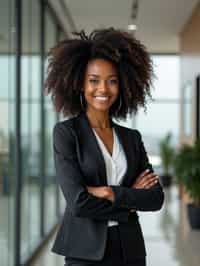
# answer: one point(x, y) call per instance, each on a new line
point(103, 86)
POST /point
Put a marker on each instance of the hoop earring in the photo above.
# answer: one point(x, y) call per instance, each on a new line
point(81, 101)
point(120, 104)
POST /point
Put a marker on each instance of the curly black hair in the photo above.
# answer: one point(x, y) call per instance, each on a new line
point(69, 58)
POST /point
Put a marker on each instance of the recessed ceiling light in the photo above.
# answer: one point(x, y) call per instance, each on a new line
point(132, 27)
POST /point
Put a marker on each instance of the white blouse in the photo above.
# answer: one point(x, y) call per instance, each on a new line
point(116, 164)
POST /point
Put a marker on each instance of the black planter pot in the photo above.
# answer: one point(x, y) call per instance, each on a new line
point(193, 216)
point(166, 180)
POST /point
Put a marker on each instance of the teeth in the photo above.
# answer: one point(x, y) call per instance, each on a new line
point(102, 98)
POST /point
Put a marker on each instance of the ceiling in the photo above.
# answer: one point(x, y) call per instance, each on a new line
point(159, 22)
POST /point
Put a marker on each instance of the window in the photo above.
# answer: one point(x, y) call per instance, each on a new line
point(163, 114)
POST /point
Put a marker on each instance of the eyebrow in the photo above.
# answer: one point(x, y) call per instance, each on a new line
point(112, 75)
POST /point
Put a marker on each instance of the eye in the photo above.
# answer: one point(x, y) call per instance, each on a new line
point(113, 81)
point(94, 81)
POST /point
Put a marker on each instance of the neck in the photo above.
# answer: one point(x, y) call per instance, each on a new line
point(99, 120)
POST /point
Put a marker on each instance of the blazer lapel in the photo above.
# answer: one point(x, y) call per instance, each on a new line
point(126, 145)
point(90, 141)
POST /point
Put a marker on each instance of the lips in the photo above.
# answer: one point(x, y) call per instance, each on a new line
point(102, 98)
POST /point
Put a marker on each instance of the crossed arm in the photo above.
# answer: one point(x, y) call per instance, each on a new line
point(100, 203)
point(145, 180)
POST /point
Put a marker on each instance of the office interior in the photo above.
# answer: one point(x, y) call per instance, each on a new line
point(31, 202)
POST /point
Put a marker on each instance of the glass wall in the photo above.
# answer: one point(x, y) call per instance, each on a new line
point(30, 127)
point(40, 202)
point(61, 199)
point(50, 120)
point(163, 113)
point(7, 130)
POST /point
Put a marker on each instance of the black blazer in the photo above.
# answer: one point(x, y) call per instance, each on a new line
point(79, 163)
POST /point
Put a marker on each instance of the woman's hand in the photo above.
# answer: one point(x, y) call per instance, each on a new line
point(104, 192)
point(145, 180)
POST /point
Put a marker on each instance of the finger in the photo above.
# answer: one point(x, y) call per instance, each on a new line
point(144, 173)
point(141, 176)
point(151, 182)
point(148, 178)
point(150, 175)
point(145, 183)
point(151, 178)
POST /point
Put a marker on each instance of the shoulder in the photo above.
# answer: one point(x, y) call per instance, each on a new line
point(130, 131)
point(66, 124)
point(64, 129)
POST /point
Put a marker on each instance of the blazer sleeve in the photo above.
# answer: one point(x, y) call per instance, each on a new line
point(140, 199)
point(71, 180)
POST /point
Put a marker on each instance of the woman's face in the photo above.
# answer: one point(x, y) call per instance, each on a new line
point(101, 85)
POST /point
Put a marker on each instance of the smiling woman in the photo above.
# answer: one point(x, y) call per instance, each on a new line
point(100, 85)
point(102, 168)
point(69, 60)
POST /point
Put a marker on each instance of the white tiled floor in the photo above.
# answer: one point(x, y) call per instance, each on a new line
point(169, 239)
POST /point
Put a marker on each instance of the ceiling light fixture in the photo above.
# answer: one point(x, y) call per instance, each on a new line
point(134, 13)
point(134, 9)
point(132, 27)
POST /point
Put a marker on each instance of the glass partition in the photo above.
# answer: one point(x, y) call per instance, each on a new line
point(30, 127)
point(163, 113)
point(50, 217)
point(7, 131)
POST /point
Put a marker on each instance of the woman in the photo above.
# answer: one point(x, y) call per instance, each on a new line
point(102, 168)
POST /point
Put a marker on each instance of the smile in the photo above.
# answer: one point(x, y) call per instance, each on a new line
point(101, 98)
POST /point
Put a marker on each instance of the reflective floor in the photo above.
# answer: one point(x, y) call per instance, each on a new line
point(169, 239)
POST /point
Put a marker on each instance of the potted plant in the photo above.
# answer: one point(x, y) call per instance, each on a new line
point(187, 173)
point(167, 155)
